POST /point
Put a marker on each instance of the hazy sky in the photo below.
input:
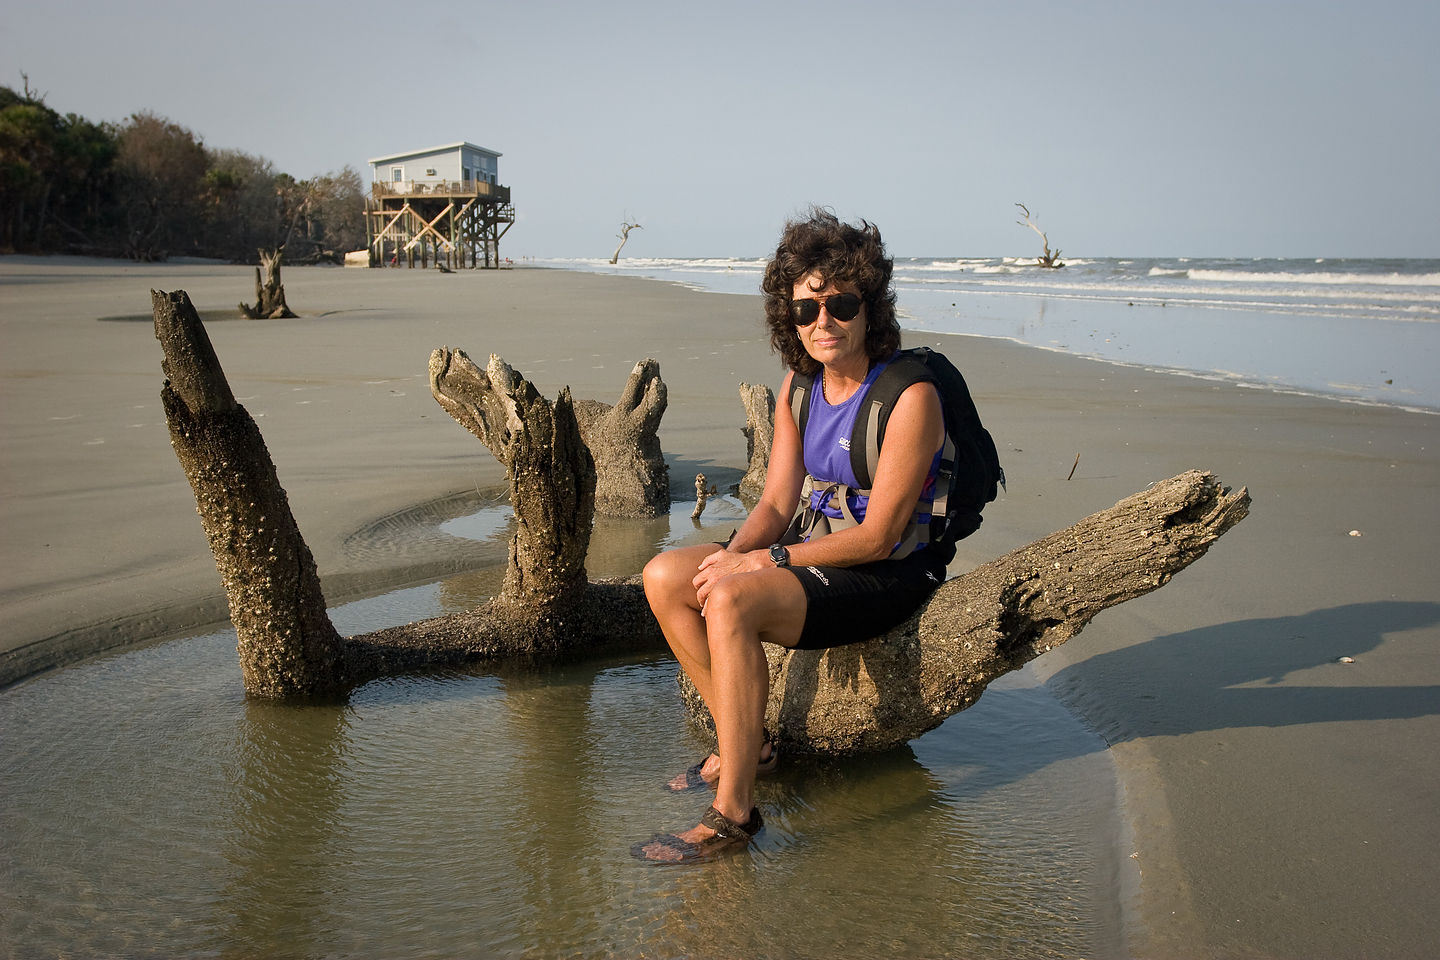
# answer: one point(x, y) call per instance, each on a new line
point(1152, 128)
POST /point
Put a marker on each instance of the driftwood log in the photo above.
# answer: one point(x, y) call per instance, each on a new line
point(869, 696)
point(269, 290)
point(990, 621)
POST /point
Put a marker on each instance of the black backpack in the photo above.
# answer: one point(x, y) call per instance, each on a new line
point(970, 470)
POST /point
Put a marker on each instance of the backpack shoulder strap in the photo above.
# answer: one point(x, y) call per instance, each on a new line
point(907, 369)
point(801, 387)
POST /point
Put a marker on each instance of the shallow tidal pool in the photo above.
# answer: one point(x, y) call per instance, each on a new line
point(150, 809)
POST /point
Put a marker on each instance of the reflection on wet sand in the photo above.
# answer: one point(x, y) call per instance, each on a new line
point(287, 785)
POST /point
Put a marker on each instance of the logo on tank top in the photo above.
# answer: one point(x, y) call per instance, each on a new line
point(845, 443)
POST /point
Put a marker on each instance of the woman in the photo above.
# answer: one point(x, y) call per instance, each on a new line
point(831, 313)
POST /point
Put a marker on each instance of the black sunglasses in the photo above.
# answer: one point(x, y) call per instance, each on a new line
point(842, 306)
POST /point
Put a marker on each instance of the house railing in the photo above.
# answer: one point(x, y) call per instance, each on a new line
point(440, 188)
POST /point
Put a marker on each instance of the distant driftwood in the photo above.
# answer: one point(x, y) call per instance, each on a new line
point(269, 290)
point(866, 697)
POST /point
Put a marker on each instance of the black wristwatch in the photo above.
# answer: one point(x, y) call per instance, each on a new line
point(779, 555)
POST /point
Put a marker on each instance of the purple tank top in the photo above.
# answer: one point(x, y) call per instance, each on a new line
point(827, 445)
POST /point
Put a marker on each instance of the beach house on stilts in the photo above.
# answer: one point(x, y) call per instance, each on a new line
point(445, 203)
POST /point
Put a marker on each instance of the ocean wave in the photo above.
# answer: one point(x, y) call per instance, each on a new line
point(938, 266)
point(1319, 277)
point(662, 263)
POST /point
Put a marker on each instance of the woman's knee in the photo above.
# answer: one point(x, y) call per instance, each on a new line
point(731, 600)
point(666, 573)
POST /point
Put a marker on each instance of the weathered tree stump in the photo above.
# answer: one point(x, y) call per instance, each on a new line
point(288, 647)
point(550, 470)
point(759, 433)
point(631, 478)
point(269, 290)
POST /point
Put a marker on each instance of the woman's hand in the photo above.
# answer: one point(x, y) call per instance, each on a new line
point(721, 564)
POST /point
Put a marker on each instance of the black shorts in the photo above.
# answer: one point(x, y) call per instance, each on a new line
point(851, 604)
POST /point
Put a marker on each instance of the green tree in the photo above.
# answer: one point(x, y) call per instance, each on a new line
point(238, 200)
point(54, 174)
point(149, 188)
point(335, 214)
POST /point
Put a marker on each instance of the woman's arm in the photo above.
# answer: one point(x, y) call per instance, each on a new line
point(784, 477)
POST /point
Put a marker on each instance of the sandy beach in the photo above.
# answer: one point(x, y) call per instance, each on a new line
point(1272, 712)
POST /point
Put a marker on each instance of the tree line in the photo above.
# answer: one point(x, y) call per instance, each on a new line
point(148, 189)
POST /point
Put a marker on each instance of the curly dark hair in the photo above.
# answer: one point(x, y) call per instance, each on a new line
point(840, 253)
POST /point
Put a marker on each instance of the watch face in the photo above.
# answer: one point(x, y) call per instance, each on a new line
point(780, 555)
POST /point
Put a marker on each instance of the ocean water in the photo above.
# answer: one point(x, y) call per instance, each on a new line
point(1359, 330)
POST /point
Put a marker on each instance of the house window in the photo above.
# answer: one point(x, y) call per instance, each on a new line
point(397, 174)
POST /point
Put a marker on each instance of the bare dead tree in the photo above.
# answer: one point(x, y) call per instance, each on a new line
point(625, 227)
point(1048, 259)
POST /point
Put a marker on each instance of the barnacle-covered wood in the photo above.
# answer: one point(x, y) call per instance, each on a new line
point(287, 645)
point(631, 478)
point(996, 618)
point(550, 471)
point(759, 433)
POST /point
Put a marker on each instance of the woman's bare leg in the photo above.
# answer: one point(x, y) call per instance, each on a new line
point(670, 590)
point(741, 611)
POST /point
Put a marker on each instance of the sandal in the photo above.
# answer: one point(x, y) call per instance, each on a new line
point(729, 837)
point(695, 776)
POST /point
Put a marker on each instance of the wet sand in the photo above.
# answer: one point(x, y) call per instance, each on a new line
point(1280, 801)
